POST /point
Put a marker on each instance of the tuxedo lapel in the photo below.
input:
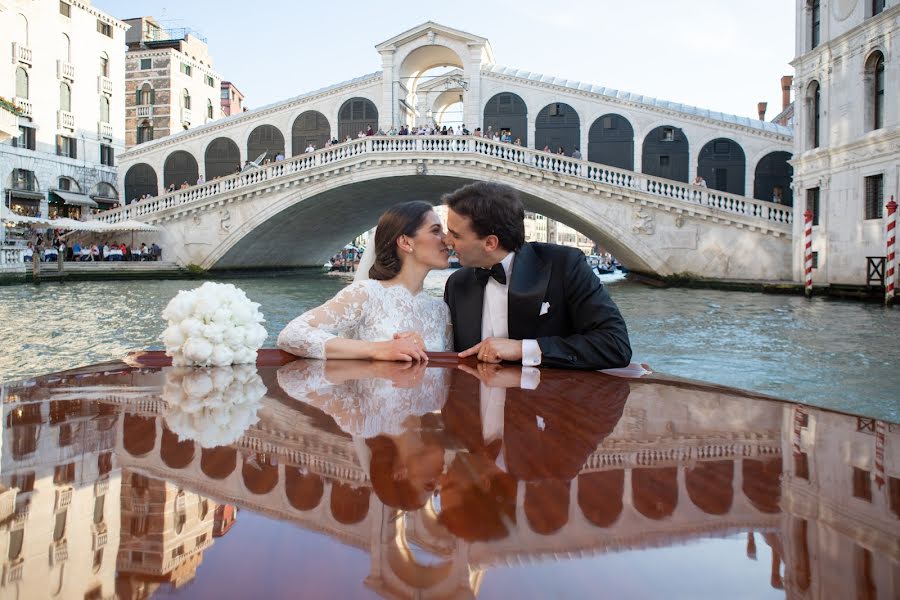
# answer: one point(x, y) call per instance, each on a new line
point(527, 290)
point(468, 312)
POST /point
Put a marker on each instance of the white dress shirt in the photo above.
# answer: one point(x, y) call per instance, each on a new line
point(495, 314)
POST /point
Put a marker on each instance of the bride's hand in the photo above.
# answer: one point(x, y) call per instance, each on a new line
point(400, 348)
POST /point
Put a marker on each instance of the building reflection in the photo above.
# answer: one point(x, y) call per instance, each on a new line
point(100, 499)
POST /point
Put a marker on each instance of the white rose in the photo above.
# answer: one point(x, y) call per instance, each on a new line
point(222, 378)
point(214, 333)
point(222, 356)
point(197, 384)
point(191, 328)
point(173, 338)
point(197, 350)
point(179, 307)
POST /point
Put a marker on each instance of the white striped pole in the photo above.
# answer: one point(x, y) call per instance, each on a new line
point(890, 263)
point(879, 453)
point(807, 252)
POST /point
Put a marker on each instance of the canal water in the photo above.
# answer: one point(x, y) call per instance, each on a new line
point(835, 354)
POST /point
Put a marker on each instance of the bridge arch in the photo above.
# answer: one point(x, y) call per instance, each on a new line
point(709, 486)
point(600, 496)
point(310, 127)
point(138, 434)
point(507, 110)
point(219, 462)
point(180, 167)
point(174, 452)
point(259, 474)
point(222, 158)
point(546, 505)
point(557, 126)
point(422, 56)
point(140, 179)
point(355, 115)
point(611, 142)
point(722, 164)
point(301, 224)
point(773, 172)
point(655, 491)
point(762, 483)
point(265, 139)
point(304, 490)
point(666, 153)
point(349, 505)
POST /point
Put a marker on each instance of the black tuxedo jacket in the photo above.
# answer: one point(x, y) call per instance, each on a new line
point(582, 329)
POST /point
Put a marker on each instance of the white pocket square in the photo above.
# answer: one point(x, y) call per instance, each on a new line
point(545, 308)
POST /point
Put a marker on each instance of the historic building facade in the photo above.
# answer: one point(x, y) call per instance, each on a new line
point(171, 85)
point(847, 132)
point(67, 78)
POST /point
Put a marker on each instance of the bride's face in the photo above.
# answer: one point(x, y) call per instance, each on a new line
point(428, 245)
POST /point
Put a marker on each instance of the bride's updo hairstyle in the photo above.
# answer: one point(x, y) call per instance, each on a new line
point(401, 219)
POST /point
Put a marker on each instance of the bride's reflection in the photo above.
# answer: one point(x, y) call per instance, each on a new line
point(389, 409)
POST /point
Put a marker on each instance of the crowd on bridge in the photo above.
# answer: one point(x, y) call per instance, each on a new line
point(60, 250)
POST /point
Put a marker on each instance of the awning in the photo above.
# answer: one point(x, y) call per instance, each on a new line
point(25, 195)
point(73, 199)
point(105, 200)
point(73, 225)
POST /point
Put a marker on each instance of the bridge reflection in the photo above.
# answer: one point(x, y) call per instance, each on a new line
point(475, 477)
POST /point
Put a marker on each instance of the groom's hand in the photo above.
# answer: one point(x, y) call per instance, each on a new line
point(495, 350)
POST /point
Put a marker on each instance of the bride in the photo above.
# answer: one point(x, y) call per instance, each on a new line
point(384, 314)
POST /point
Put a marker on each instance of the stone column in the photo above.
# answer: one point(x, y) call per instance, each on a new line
point(388, 110)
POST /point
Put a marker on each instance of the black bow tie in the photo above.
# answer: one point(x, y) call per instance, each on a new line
point(497, 272)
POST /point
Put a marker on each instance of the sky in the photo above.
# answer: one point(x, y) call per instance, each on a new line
point(723, 55)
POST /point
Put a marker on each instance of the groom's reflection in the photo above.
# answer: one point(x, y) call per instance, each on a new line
point(540, 437)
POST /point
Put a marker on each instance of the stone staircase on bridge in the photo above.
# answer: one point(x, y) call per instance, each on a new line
point(690, 200)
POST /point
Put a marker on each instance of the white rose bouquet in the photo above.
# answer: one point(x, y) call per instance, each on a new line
point(212, 406)
point(214, 325)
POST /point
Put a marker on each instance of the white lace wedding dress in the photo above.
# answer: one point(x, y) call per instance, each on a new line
point(368, 310)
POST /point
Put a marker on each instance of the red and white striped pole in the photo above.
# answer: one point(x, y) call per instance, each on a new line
point(807, 252)
point(879, 453)
point(890, 266)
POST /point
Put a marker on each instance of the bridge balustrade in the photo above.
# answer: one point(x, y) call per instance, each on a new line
point(441, 145)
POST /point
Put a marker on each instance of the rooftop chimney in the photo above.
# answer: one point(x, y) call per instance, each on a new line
point(786, 83)
point(761, 109)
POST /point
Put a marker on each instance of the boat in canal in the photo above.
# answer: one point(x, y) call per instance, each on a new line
point(353, 479)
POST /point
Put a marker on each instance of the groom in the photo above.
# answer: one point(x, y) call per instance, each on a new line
point(533, 303)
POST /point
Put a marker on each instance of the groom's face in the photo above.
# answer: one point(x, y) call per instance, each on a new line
point(472, 250)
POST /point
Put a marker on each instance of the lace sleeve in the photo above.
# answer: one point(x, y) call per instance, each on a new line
point(307, 334)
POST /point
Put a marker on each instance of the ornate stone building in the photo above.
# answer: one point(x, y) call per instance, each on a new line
point(67, 77)
point(170, 82)
point(847, 132)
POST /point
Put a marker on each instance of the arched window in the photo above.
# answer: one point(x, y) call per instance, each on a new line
point(144, 132)
point(22, 83)
point(209, 109)
point(814, 99)
point(22, 30)
point(875, 91)
point(65, 48)
point(68, 184)
point(104, 109)
point(185, 99)
point(65, 97)
point(145, 95)
point(104, 64)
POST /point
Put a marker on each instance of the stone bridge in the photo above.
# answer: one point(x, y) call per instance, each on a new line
point(300, 211)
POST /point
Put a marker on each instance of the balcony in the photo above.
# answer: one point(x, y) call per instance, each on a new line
point(185, 116)
point(104, 85)
point(101, 486)
point(65, 120)
point(59, 552)
point(63, 499)
point(24, 106)
point(104, 130)
point(13, 572)
point(145, 111)
point(101, 537)
point(7, 502)
point(21, 54)
point(65, 70)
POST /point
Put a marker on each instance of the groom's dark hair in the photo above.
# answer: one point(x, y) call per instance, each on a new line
point(493, 209)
